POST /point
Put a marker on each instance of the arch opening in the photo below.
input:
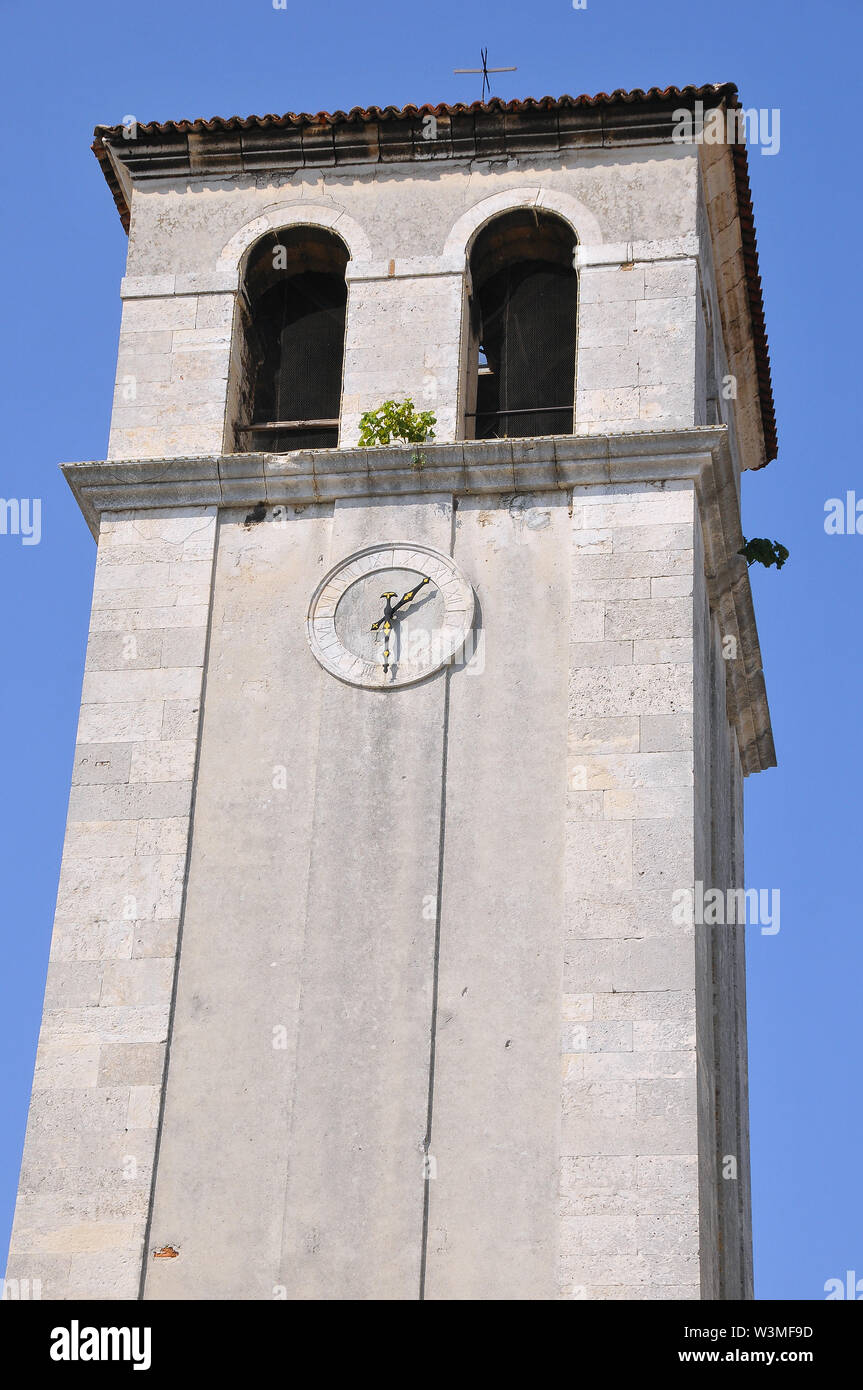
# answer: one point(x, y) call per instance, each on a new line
point(523, 314)
point(293, 332)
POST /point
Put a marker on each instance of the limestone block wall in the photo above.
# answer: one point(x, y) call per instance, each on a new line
point(291, 1157)
point(87, 1167)
point(408, 231)
point(433, 1028)
point(636, 359)
point(493, 1225)
point(415, 321)
point(629, 1156)
point(562, 1005)
point(720, 966)
point(176, 339)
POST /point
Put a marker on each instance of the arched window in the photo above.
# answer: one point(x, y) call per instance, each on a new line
point(294, 321)
point(523, 324)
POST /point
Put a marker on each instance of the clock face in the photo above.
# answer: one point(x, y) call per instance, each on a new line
point(390, 615)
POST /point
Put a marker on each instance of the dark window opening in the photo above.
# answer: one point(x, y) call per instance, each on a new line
point(524, 324)
point(296, 297)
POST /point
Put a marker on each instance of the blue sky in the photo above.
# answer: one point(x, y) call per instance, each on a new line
point(71, 66)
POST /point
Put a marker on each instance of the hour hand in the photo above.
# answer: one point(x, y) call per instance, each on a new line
point(412, 593)
point(384, 622)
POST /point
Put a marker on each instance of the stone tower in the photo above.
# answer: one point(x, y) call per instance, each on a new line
point(366, 979)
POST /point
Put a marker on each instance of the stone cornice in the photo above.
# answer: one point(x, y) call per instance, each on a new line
point(469, 466)
point(741, 310)
point(730, 596)
point(480, 467)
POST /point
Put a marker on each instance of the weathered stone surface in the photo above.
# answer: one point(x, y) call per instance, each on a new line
point(663, 733)
point(136, 1064)
point(100, 1058)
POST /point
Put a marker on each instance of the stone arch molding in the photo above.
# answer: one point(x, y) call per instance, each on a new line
point(300, 213)
point(582, 221)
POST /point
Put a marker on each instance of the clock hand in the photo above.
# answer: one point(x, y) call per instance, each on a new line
point(385, 626)
point(388, 612)
point(411, 594)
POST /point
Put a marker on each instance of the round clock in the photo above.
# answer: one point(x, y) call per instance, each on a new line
point(390, 615)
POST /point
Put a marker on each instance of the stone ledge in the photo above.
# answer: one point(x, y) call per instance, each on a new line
point(469, 466)
point(221, 280)
point(679, 248)
point(405, 268)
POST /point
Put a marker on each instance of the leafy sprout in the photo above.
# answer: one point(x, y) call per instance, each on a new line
point(396, 421)
point(764, 552)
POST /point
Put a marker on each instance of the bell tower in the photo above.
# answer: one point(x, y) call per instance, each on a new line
point(395, 761)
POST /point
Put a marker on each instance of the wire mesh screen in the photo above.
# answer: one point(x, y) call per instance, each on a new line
point(301, 325)
point(528, 319)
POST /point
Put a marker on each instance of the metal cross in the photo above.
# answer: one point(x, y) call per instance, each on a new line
point(485, 70)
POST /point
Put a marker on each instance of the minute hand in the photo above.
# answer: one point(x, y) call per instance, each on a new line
point(411, 594)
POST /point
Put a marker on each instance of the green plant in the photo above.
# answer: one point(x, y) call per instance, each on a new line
point(765, 552)
point(393, 421)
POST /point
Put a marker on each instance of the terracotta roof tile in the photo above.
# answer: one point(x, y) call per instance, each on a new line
point(714, 91)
